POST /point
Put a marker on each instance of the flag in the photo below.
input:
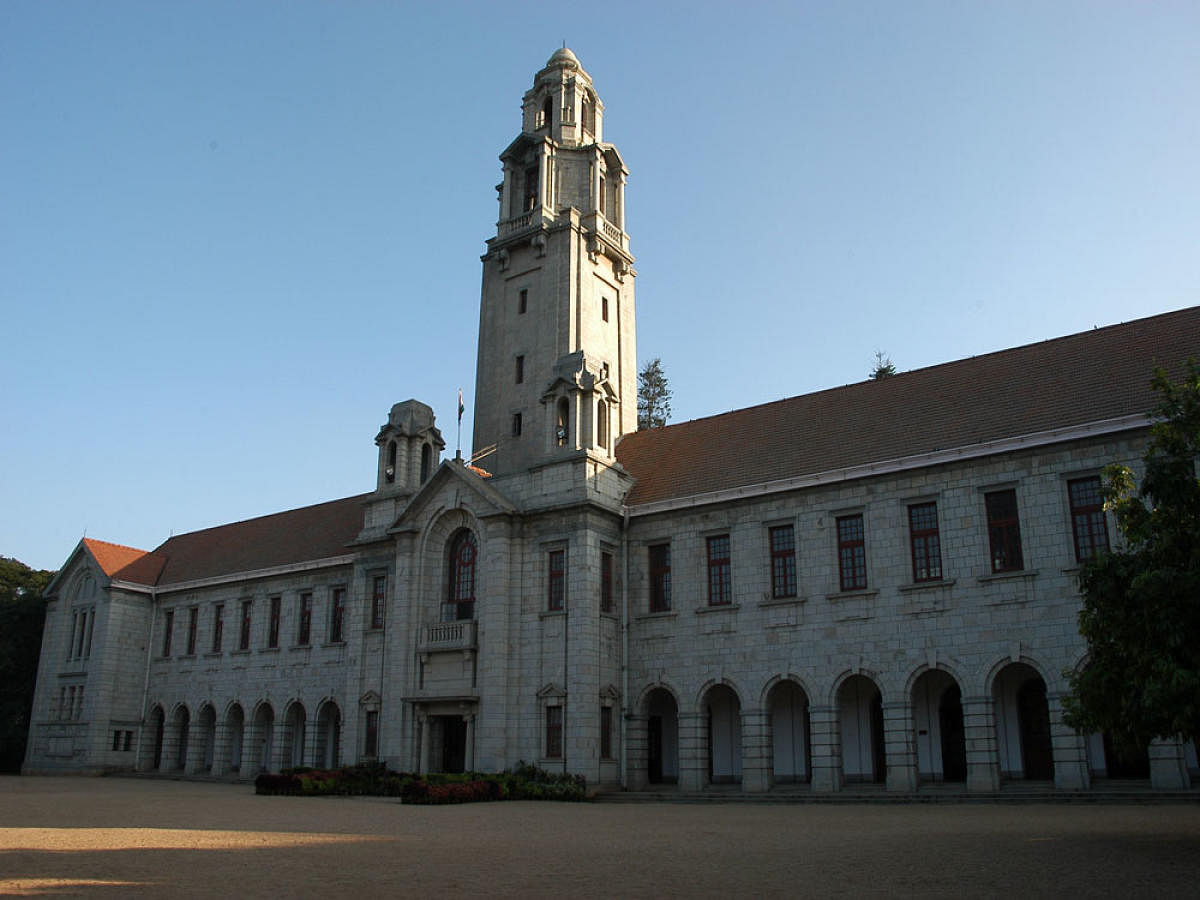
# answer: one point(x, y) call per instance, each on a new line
point(460, 406)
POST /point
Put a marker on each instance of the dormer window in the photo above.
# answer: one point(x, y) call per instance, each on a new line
point(389, 471)
point(561, 417)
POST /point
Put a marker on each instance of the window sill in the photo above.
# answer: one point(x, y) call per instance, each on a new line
point(782, 601)
point(657, 614)
point(1006, 576)
point(268, 650)
point(374, 629)
point(213, 654)
point(610, 614)
point(75, 673)
point(925, 585)
point(852, 595)
point(718, 607)
point(241, 651)
point(551, 613)
point(300, 647)
point(334, 644)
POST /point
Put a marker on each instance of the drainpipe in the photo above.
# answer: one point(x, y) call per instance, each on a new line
point(625, 649)
point(137, 760)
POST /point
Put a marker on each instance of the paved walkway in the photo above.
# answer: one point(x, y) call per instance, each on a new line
point(122, 837)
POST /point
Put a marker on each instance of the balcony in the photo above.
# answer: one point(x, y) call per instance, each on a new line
point(442, 636)
point(599, 225)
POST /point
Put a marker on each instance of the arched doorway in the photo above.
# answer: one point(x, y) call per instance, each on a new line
point(263, 741)
point(235, 724)
point(293, 735)
point(723, 720)
point(1023, 724)
point(208, 736)
point(938, 722)
point(860, 718)
point(791, 747)
point(662, 737)
point(180, 726)
point(329, 735)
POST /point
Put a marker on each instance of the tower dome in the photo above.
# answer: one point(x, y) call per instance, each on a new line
point(563, 57)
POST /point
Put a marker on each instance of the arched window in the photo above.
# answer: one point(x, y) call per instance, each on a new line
point(602, 424)
point(561, 418)
point(389, 473)
point(460, 602)
point(426, 460)
point(589, 114)
point(547, 112)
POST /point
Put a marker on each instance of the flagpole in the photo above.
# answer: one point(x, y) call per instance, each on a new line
point(458, 442)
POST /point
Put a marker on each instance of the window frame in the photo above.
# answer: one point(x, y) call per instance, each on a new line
point(659, 576)
point(337, 615)
point(522, 301)
point(1005, 553)
point(519, 368)
point(193, 623)
point(606, 732)
point(554, 731)
point(459, 594)
point(925, 542)
point(556, 579)
point(719, 554)
point(244, 633)
point(168, 632)
point(378, 600)
point(274, 617)
point(852, 552)
point(1091, 515)
point(783, 562)
point(218, 629)
point(304, 605)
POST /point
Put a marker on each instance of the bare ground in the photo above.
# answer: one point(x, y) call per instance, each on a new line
point(119, 837)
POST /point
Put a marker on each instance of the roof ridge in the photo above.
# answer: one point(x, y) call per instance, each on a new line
point(91, 540)
point(281, 512)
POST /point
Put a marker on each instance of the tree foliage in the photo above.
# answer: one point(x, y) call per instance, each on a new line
point(883, 367)
point(654, 396)
point(22, 615)
point(1141, 603)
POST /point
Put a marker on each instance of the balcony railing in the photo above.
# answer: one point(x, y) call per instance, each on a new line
point(448, 636)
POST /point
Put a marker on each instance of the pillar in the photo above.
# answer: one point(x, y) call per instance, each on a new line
point(983, 757)
point(423, 753)
point(899, 748)
point(1168, 765)
point(756, 751)
point(221, 748)
point(469, 758)
point(1069, 749)
point(693, 751)
point(636, 753)
point(826, 748)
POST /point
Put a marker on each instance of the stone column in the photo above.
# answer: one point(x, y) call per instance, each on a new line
point(170, 748)
point(469, 758)
point(221, 736)
point(899, 747)
point(636, 753)
point(756, 751)
point(279, 744)
point(197, 744)
point(983, 758)
point(693, 752)
point(423, 753)
point(826, 746)
point(1069, 749)
point(1168, 765)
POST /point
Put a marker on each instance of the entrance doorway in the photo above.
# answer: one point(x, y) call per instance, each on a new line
point(454, 743)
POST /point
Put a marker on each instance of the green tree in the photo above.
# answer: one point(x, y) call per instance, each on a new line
point(654, 396)
point(1141, 603)
point(22, 615)
point(883, 367)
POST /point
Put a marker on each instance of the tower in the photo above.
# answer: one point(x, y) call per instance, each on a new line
point(556, 374)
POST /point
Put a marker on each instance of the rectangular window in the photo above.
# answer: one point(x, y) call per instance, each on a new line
point(606, 721)
point(1004, 531)
point(116, 740)
point(520, 369)
point(128, 740)
point(926, 543)
point(554, 728)
point(783, 561)
point(337, 615)
point(193, 617)
point(852, 553)
point(378, 600)
point(218, 627)
point(83, 623)
point(516, 425)
point(1087, 517)
point(371, 738)
point(87, 648)
point(720, 592)
point(244, 635)
point(273, 622)
point(604, 308)
point(168, 630)
point(660, 578)
point(523, 301)
point(74, 631)
point(304, 631)
point(606, 582)
point(531, 188)
point(557, 583)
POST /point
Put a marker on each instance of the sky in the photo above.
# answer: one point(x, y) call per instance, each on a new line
point(233, 234)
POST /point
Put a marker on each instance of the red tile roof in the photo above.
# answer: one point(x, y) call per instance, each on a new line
point(112, 557)
point(297, 535)
point(1089, 377)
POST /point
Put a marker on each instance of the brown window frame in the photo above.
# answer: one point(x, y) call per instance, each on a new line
point(463, 557)
point(1089, 526)
point(852, 552)
point(556, 581)
point(337, 615)
point(193, 623)
point(247, 620)
point(304, 607)
point(1004, 531)
point(371, 735)
point(925, 542)
point(218, 627)
point(554, 731)
point(782, 542)
point(660, 577)
point(720, 586)
point(276, 612)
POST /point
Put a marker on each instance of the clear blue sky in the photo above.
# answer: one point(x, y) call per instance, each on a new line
point(233, 234)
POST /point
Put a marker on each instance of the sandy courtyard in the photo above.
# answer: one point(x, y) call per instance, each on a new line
point(120, 837)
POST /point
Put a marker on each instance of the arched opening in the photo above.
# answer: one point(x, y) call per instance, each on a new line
point(426, 462)
point(588, 113)
point(158, 728)
point(602, 425)
point(1108, 759)
point(180, 725)
point(389, 472)
point(547, 115)
point(263, 741)
point(723, 720)
point(293, 735)
point(562, 418)
point(460, 598)
point(235, 724)
point(208, 736)
point(329, 735)
point(662, 737)
point(791, 747)
point(860, 717)
point(938, 721)
point(1023, 724)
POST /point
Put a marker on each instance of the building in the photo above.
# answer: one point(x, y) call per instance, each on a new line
point(873, 583)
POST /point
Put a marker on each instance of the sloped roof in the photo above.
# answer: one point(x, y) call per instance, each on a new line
point(313, 532)
point(111, 558)
point(1083, 378)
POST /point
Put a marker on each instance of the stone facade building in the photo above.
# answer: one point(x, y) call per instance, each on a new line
point(873, 583)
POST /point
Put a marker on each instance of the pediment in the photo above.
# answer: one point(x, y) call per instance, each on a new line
point(445, 488)
point(551, 691)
